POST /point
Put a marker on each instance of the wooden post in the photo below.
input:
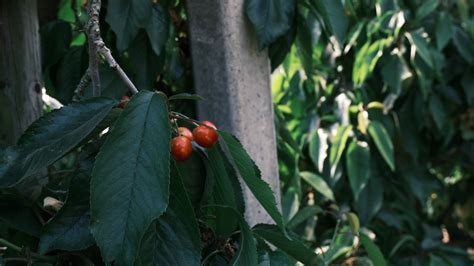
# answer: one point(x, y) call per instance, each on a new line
point(20, 68)
point(234, 78)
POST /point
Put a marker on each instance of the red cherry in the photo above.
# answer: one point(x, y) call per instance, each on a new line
point(185, 132)
point(205, 136)
point(123, 101)
point(181, 148)
point(209, 124)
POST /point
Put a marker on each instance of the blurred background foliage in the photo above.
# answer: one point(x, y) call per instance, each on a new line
point(374, 106)
point(374, 110)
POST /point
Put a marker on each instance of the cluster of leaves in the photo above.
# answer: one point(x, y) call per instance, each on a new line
point(92, 184)
point(374, 109)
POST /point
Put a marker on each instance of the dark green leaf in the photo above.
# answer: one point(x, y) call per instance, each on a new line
point(366, 60)
point(18, 214)
point(247, 252)
point(334, 17)
point(292, 247)
point(130, 180)
point(374, 252)
point(394, 71)
point(274, 258)
point(69, 229)
point(437, 111)
point(467, 83)
point(158, 28)
point(422, 49)
point(55, 39)
point(250, 174)
point(370, 200)
point(444, 30)
point(318, 183)
point(383, 142)
point(302, 215)
point(358, 166)
point(54, 135)
point(426, 9)
point(223, 192)
point(146, 64)
point(69, 73)
point(337, 146)
point(185, 96)
point(464, 44)
point(126, 18)
point(270, 18)
point(174, 238)
point(354, 223)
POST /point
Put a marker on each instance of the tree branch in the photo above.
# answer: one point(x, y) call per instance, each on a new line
point(101, 48)
point(93, 33)
point(85, 81)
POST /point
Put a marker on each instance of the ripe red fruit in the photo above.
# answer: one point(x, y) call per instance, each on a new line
point(209, 124)
point(123, 101)
point(185, 132)
point(181, 148)
point(205, 136)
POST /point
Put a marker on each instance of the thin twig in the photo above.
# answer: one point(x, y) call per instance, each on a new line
point(34, 255)
point(93, 33)
point(83, 83)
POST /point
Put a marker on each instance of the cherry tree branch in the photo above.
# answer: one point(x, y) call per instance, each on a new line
point(93, 33)
point(96, 41)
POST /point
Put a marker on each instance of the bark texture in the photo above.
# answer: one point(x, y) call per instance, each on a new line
point(20, 68)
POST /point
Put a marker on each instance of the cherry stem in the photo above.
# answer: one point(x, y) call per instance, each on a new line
point(189, 120)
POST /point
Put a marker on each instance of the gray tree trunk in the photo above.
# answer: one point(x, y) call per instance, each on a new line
point(20, 68)
point(234, 78)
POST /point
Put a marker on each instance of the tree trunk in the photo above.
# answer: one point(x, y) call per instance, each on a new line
point(233, 76)
point(20, 68)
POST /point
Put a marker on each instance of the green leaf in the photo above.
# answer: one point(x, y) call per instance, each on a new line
point(318, 149)
point(158, 28)
point(467, 83)
point(383, 142)
point(111, 84)
point(185, 96)
point(223, 192)
point(302, 215)
point(463, 43)
point(274, 258)
point(69, 228)
point(358, 166)
point(421, 46)
point(69, 73)
point(270, 18)
point(426, 9)
point(55, 39)
point(444, 30)
point(337, 147)
point(54, 135)
point(130, 180)
point(370, 200)
point(174, 238)
point(126, 18)
point(334, 17)
point(292, 247)
point(247, 252)
point(437, 111)
point(318, 183)
point(250, 174)
point(374, 252)
point(19, 214)
point(394, 70)
point(354, 223)
point(146, 64)
point(366, 60)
